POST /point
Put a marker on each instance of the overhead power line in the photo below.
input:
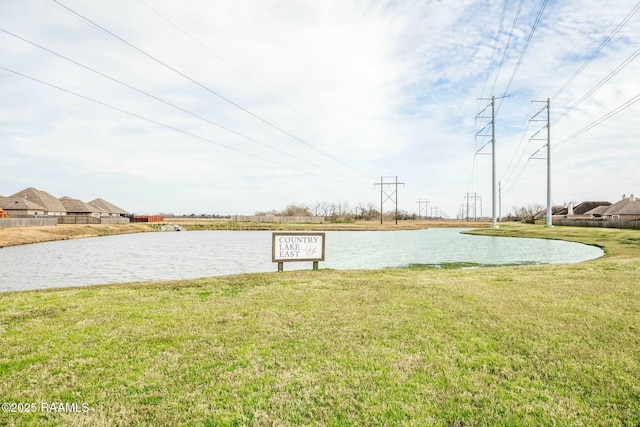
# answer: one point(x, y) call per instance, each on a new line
point(506, 48)
point(598, 50)
point(182, 131)
point(619, 68)
point(595, 123)
point(493, 46)
point(525, 47)
point(589, 93)
point(206, 88)
point(590, 126)
point(184, 110)
point(575, 44)
point(244, 75)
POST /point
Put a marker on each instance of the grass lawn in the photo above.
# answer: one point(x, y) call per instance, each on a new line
point(525, 345)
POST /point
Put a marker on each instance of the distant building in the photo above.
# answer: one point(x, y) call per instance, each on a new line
point(597, 211)
point(49, 204)
point(555, 211)
point(33, 203)
point(584, 207)
point(628, 208)
point(78, 207)
point(580, 211)
point(106, 208)
point(18, 207)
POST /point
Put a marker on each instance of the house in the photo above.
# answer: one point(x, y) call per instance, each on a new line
point(628, 208)
point(580, 211)
point(555, 211)
point(107, 209)
point(19, 207)
point(597, 211)
point(78, 207)
point(584, 207)
point(51, 205)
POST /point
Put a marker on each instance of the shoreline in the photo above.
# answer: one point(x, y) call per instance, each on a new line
point(28, 235)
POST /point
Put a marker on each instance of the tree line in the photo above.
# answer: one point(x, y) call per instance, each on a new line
point(340, 211)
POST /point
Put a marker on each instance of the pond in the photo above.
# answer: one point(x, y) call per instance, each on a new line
point(186, 255)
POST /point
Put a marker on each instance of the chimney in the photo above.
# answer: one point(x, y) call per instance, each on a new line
point(570, 209)
point(632, 198)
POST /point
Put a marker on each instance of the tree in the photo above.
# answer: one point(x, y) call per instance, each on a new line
point(528, 211)
point(296, 210)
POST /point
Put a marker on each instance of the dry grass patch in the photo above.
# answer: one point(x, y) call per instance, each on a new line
point(26, 235)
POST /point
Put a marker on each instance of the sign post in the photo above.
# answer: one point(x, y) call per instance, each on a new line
point(287, 247)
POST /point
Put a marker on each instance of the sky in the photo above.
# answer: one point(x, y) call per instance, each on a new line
point(238, 106)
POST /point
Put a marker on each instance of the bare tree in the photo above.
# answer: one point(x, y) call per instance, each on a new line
point(296, 210)
point(528, 211)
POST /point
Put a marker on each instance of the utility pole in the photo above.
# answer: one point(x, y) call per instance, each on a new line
point(549, 213)
point(475, 207)
point(549, 222)
point(493, 163)
point(499, 200)
point(383, 193)
point(475, 198)
point(494, 223)
point(467, 207)
point(426, 206)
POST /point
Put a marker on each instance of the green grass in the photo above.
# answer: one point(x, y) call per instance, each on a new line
point(518, 345)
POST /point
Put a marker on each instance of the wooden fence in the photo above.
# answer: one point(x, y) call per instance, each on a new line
point(63, 219)
point(27, 222)
point(78, 219)
point(605, 223)
point(114, 220)
point(278, 219)
point(146, 218)
point(85, 219)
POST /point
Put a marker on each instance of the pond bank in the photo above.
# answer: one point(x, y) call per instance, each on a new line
point(26, 235)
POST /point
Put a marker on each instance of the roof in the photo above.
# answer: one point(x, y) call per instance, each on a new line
point(584, 207)
point(19, 203)
point(107, 207)
point(597, 210)
point(555, 210)
point(42, 198)
point(77, 206)
point(626, 206)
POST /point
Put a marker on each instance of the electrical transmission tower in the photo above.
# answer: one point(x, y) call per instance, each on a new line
point(471, 203)
point(494, 223)
point(426, 207)
point(548, 158)
point(389, 196)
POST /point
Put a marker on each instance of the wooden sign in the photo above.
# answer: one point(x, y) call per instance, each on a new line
point(286, 247)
